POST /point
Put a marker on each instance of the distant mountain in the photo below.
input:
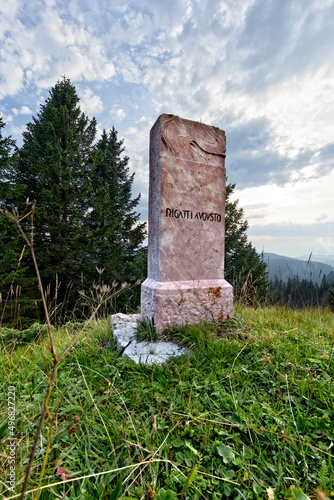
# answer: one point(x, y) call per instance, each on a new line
point(283, 268)
point(326, 259)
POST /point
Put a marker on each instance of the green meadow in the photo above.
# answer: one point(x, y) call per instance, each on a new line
point(248, 413)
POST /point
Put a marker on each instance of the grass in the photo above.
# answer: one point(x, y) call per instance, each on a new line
point(247, 414)
point(146, 331)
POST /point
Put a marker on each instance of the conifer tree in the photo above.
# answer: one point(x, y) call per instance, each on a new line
point(54, 168)
point(7, 148)
point(85, 216)
point(9, 253)
point(116, 233)
point(244, 268)
point(14, 265)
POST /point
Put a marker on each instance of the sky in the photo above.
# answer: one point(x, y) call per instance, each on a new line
point(262, 70)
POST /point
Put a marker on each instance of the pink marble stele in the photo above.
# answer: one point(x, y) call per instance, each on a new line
point(185, 282)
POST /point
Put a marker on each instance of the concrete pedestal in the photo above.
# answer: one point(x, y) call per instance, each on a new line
point(186, 302)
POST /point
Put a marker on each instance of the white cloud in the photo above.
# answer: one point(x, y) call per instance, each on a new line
point(11, 81)
point(289, 212)
point(117, 114)
point(8, 11)
point(90, 103)
point(43, 50)
point(232, 13)
point(23, 111)
point(206, 75)
point(261, 70)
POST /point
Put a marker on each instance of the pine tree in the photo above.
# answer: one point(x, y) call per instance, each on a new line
point(55, 169)
point(116, 233)
point(244, 268)
point(9, 253)
point(7, 150)
point(14, 265)
point(85, 216)
point(7, 146)
point(328, 292)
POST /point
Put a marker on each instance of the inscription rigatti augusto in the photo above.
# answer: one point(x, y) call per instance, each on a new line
point(188, 214)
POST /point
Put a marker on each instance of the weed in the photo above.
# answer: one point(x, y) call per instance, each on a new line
point(146, 331)
point(103, 293)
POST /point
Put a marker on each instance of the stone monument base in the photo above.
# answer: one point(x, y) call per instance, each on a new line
point(176, 303)
point(124, 328)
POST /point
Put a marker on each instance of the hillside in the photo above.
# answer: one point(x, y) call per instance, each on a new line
point(325, 258)
point(283, 268)
point(247, 413)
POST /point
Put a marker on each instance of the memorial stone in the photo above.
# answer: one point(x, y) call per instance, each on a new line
point(185, 282)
